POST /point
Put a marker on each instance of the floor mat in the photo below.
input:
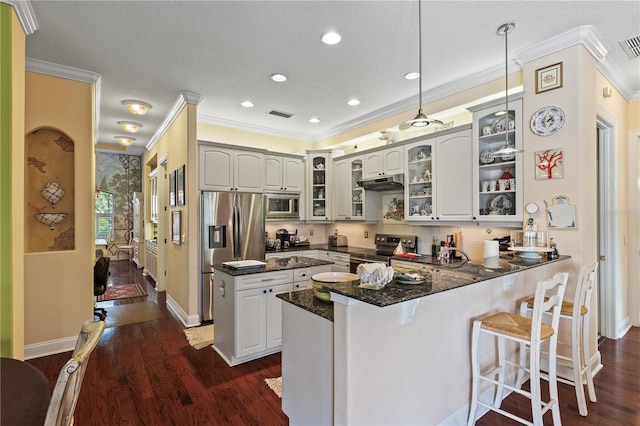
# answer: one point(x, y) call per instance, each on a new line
point(200, 337)
point(122, 292)
point(132, 313)
point(276, 385)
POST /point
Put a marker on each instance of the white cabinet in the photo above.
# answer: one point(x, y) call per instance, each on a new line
point(318, 187)
point(340, 260)
point(454, 177)
point(153, 196)
point(350, 201)
point(227, 169)
point(419, 190)
point(138, 229)
point(497, 182)
point(151, 259)
point(388, 161)
point(283, 173)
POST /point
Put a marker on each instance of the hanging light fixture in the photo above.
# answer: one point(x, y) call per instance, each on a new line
point(507, 149)
point(420, 121)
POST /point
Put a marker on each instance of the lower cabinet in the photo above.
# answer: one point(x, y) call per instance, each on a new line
point(247, 313)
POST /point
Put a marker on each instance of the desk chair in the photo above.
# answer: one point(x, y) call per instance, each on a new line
point(67, 388)
point(125, 248)
point(100, 278)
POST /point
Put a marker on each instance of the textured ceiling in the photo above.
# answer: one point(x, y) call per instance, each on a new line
point(225, 51)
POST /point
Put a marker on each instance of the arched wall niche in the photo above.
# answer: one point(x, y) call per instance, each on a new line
point(50, 195)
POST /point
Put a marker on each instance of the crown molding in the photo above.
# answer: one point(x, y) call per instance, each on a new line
point(71, 73)
point(25, 14)
point(183, 99)
point(618, 79)
point(207, 119)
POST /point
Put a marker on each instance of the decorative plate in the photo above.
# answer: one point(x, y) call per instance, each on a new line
point(485, 156)
point(508, 157)
point(547, 120)
point(501, 203)
point(499, 125)
point(410, 278)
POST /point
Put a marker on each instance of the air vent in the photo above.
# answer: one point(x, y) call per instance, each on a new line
point(280, 114)
point(631, 47)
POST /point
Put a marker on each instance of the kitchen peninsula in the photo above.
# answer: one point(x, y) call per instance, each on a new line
point(399, 355)
point(247, 314)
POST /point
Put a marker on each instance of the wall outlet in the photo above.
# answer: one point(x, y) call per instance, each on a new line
point(310, 231)
point(366, 234)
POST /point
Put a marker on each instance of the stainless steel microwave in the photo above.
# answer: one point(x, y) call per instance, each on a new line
point(282, 206)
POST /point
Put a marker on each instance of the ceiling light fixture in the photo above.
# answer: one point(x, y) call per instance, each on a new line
point(331, 38)
point(279, 78)
point(314, 120)
point(130, 126)
point(507, 149)
point(125, 140)
point(246, 104)
point(353, 102)
point(412, 75)
point(137, 107)
point(420, 121)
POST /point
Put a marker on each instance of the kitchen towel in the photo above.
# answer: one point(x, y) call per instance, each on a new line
point(491, 248)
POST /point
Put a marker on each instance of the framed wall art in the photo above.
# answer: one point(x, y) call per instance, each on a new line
point(180, 194)
point(172, 189)
point(549, 163)
point(175, 227)
point(549, 78)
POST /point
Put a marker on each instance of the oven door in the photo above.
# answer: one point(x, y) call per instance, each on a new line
point(355, 260)
point(282, 206)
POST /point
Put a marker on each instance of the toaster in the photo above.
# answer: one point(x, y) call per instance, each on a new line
point(338, 240)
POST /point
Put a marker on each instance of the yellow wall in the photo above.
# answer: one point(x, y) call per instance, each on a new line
point(634, 115)
point(211, 133)
point(60, 284)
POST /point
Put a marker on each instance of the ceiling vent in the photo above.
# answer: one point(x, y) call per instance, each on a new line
point(631, 47)
point(280, 114)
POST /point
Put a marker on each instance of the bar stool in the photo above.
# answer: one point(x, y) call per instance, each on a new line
point(531, 332)
point(578, 313)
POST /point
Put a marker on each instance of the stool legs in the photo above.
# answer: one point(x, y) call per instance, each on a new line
point(475, 373)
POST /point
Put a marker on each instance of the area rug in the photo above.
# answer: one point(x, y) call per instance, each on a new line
point(132, 313)
point(275, 384)
point(122, 292)
point(200, 337)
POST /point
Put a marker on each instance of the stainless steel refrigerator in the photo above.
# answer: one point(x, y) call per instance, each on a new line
point(231, 228)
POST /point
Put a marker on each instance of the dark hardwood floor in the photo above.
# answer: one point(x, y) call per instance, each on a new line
point(147, 374)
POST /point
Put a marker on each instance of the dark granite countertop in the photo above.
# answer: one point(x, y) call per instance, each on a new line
point(272, 265)
point(307, 301)
point(445, 277)
point(326, 247)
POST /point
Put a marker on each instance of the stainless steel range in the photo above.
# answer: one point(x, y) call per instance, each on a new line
point(385, 245)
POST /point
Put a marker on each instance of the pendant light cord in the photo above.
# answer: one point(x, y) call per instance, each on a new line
point(420, 55)
point(506, 85)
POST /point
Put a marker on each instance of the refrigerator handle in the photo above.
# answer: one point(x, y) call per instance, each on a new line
point(236, 232)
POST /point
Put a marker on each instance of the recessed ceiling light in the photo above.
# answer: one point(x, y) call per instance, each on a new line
point(125, 140)
point(137, 107)
point(129, 126)
point(279, 78)
point(314, 120)
point(412, 75)
point(331, 38)
point(246, 104)
point(353, 102)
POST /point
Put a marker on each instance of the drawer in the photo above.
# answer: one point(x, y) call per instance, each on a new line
point(340, 257)
point(302, 274)
point(265, 279)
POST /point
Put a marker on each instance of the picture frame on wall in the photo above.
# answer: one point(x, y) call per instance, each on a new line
point(172, 189)
point(549, 78)
point(175, 227)
point(549, 164)
point(180, 194)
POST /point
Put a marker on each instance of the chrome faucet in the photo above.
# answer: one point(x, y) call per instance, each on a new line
point(448, 249)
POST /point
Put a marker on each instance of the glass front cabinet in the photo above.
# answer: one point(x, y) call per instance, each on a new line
point(419, 188)
point(497, 180)
point(319, 188)
point(351, 201)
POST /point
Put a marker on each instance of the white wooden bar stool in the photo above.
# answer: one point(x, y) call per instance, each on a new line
point(578, 313)
point(531, 332)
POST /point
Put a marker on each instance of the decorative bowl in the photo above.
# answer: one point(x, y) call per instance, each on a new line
point(323, 281)
point(51, 219)
point(410, 277)
point(52, 193)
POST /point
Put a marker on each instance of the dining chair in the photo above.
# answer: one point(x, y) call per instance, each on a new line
point(126, 248)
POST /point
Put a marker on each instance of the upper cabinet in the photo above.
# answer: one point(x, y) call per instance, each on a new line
point(388, 161)
point(225, 169)
point(350, 201)
point(497, 181)
point(283, 173)
point(318, 187)
point(153, 196)
point(419, 188)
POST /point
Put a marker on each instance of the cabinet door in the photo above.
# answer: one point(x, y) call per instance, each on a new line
point(274, 314)
point(273, 166)
point(216, 168)
point(319, 188)
point(454, 177)
point(292, 174)
point(373, 164)
point(341, 190)
point(278, 255)
point(393, 160)
point(251, 330)
point(248, 171)
point(419, 188)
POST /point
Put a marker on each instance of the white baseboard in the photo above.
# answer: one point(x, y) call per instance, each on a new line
point(186, 319)
point(51, 347)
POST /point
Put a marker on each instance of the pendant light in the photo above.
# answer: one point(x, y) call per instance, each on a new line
point(421, 120)
point(507, 149)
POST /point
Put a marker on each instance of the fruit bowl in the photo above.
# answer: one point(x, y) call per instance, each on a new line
point(323, 281)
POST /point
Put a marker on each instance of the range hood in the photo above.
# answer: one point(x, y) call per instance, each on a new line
point(385, 183)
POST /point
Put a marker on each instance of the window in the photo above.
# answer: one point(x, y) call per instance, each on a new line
point(104, 214)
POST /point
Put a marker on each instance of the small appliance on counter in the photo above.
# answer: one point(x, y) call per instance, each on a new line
point(338, 241)
point(283, 235)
